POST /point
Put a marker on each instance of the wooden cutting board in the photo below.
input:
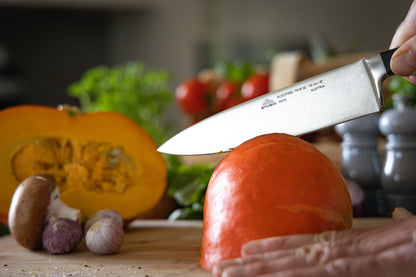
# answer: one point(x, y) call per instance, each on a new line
point(151, 248)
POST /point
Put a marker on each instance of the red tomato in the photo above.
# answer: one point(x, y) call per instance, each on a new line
point(255, 85)
point(227, 95)
point(192, 96)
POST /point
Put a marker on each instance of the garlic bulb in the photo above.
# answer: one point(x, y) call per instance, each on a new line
point(105, 236)
point(106, 213)
point(61, 235)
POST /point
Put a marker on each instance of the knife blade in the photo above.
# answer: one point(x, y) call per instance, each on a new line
point(339, 95)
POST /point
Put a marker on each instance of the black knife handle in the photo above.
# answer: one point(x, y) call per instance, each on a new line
point(386, 57)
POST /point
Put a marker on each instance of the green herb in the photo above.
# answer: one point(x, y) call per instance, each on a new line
point(143, 95)
point(400, 85)
point(237, 71)
point(188, 185)
point(132, 90)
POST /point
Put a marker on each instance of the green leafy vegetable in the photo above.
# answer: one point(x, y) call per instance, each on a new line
point(237, 71)
point(132, 90)
point(187, 185)
point(400, 85)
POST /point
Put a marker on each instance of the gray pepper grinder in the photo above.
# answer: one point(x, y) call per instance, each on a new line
point(360, 160)
point(398, 177)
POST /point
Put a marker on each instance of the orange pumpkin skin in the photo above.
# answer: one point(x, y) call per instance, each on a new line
point(272, 185)
point(101, 160)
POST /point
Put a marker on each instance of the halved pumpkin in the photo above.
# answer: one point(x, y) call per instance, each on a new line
point(271, 185)
point(101, 160)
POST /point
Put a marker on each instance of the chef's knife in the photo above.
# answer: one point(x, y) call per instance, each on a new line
point(342, 94)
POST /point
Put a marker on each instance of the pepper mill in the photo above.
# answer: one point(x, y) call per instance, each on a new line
point(360, 160)
point(398, 177)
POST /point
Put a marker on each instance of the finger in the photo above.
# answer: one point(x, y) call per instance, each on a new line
point(219, 268)
point(266, 262)
point(399, 261)
point(275, 247)
point(401, 213)
point(389, 234)
point(260, 267)
point(371, 241)
point(292, 241)
point(407, 29)
point(403, 61)
point(345, 267)
point(310, 258)
point(411, 79)
point(269, 255)
point(323, 252)
point(269, 261)
point(287, 244)
point(276, 243)
point(360, 242)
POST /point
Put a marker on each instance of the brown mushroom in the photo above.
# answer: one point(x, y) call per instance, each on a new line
point(35, 200)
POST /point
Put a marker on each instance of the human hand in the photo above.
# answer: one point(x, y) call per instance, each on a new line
point(388, 250)
point(403, 62)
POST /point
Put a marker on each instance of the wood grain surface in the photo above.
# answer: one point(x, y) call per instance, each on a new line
point(151, 248)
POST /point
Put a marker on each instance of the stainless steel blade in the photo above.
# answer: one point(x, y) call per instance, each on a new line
point(339, 95)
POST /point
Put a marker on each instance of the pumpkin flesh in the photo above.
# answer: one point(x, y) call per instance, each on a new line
point(92, 165)
point(100, 160)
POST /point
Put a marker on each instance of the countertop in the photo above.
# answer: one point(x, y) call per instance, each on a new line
point(150, 248)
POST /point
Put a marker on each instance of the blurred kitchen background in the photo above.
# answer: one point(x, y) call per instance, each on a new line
point(45, 45)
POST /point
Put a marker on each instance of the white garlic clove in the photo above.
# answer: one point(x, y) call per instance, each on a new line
point(105, 236)
point(106, 213)
point(61, 235)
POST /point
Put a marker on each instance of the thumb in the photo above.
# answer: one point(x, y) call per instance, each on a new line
point(407, 28)
point(401, 213)
point(403, 62)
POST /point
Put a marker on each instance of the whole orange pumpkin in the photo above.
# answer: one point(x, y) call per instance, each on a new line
point(272, 185)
